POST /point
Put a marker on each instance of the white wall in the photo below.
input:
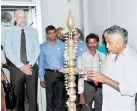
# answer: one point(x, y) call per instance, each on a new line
point(98, 16)
point(55, 12)
point(105, 13)
point(124, 13)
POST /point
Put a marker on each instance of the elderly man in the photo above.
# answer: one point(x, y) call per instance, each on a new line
point(132, 53)
point(120, 77)
point(22, 49)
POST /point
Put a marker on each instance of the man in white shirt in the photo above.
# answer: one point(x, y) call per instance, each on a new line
point(120, 78)
point(131, 52)
point(92, 59)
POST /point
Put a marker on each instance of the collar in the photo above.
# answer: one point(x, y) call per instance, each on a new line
point(97, 52)
point(123, 53)
point(57, 41)
point(18, 27)
point(126, 50)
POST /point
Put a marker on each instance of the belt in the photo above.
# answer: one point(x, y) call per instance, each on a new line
point(90, 82)
point(93, 84)
point(52, 70)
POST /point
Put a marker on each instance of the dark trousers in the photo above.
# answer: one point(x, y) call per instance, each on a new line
point(54, 90)
point(18, 80)
point(93, 93)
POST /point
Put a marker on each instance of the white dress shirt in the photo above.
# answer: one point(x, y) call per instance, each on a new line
point(124, 71)
point(130, 52)
point(89, 62)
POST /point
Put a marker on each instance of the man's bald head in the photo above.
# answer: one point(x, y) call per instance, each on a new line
point(59, 34)
point(58, 30)
point(18, 11)
point(20, 17)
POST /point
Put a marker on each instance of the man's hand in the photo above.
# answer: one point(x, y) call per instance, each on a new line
point(26, 68)
point(3, 77)
point(42, 83)
point(5, 66)
point(96, 76)
point(82, 98)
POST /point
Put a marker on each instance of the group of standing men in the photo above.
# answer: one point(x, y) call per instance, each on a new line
point(23, 50)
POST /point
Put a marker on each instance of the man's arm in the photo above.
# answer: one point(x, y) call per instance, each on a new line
point(96, 76)
point(41, 61)
point(36, 48)
point(128, 81)
point(8, 50)
point(112, 83)
point(106, 80)
point(80, 78)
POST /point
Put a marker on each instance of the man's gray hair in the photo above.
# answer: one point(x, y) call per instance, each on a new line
point(115, 29)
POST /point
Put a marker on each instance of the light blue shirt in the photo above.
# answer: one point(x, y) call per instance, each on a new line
point(13, 41)
point(51, 57)
point(81, 48)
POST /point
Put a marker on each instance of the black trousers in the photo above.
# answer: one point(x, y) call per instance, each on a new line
point(54, 90)
point(93, 93)
point(18, 80)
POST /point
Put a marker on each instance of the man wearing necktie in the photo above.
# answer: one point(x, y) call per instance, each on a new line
point(22, 49)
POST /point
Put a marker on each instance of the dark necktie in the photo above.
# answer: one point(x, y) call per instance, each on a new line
point(23, 54)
